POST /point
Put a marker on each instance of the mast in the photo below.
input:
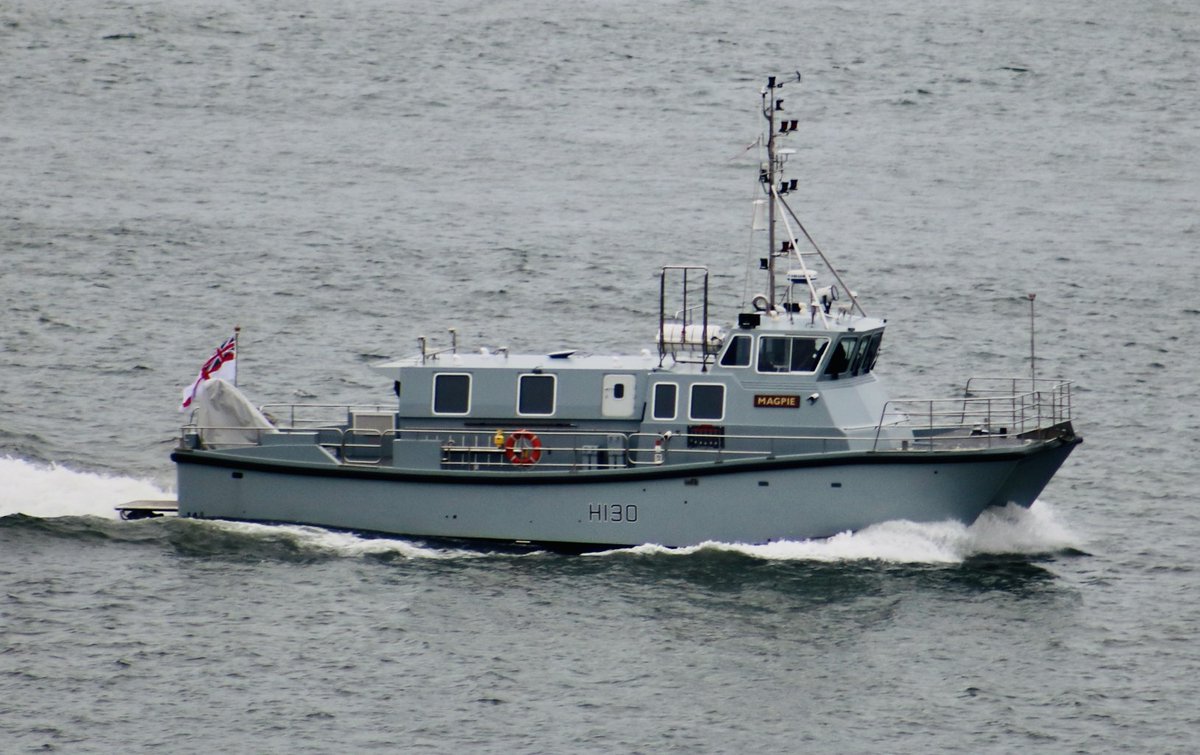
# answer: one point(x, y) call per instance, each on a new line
point(767, 177)
point(769, 173)
point(777, 206)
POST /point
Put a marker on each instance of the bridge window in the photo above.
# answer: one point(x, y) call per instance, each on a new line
point(535, 394)
point(843, 356)
point(708, 402)
point(790, 353)
point(664, 400)
point(807, 353)
point(872, 354)
point(864, 345)
point(737, 353)
point(451, 393)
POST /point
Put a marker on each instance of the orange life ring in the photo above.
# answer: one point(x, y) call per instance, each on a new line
point(523, 448)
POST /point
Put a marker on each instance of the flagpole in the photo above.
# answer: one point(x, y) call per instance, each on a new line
point(237, 352)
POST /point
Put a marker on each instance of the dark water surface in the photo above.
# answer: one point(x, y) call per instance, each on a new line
point(339, 179)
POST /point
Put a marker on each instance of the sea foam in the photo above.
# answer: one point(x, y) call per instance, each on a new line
point(52, 490)
point(999, 531)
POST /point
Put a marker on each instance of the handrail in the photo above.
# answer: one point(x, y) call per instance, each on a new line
point(986, 415)
point(989, 411)
point(345, 409)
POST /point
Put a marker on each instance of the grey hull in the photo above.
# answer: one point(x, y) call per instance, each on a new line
point(749, 502)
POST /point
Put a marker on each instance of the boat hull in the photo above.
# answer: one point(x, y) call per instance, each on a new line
point(746, 501)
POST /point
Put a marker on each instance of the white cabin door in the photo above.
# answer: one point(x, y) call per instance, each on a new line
point(618, 396)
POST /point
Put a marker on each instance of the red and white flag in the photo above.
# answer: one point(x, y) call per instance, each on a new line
point(222, 364)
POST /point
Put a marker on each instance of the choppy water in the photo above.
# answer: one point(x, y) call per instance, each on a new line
point(339, 179)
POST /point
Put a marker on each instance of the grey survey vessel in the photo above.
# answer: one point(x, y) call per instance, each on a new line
point(774, 427)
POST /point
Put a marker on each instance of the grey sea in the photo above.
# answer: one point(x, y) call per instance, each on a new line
point(339, 178)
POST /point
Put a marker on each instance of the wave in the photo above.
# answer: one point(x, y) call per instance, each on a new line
point(51, 490)
point(294, 542)
point(1012, 530)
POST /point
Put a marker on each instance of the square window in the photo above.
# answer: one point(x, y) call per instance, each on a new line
point(807, 353)
point(535, 394)
point(664, 400)
point(774, 353)
point(451, 394)
point(708, 402)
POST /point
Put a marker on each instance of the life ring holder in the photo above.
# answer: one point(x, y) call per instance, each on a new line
point(523, 448)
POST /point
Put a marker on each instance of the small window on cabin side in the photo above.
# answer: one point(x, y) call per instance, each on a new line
point(807, 353)
point(843, 354)
point(535, 395)
point(451, 394)
point(708, 402)
point(737, 353)
point(774, 353)
point(618, 390)
point(664, 400)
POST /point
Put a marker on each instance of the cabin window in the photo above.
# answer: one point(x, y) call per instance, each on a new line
point(843, 355)
point(774, 354)
point(708, 402)
point(807, 353)
point(535, 394)
point(872, 353)
point(790, 353)
point(737, 353)
point(864, 345)
point(619, 391)
point(451, 394)
point(664, 400)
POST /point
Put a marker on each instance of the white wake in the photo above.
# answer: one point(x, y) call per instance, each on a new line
point(1010, 530)
point(51, 490)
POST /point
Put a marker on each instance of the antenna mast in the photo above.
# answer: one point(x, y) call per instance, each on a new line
point(769, 173)
point(767, 177)
point(1032, 352)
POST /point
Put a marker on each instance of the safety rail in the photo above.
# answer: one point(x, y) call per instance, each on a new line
point(307, 416)
point(614, 450)
point(193, 436)
point(688, 335)
point(992, 411)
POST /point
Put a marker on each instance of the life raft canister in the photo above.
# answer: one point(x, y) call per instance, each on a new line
point(523, 448)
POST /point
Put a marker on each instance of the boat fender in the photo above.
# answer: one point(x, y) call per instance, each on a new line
point(523, 448)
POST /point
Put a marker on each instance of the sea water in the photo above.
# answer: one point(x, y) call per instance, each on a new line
point(339, 179)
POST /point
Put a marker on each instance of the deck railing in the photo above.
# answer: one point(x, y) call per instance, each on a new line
point(991, 412)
